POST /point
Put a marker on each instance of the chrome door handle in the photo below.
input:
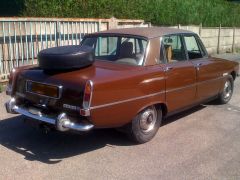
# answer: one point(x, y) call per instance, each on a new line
point(168, 69)
point(199, 64)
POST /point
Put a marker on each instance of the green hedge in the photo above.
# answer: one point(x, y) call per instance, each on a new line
point(159, 12)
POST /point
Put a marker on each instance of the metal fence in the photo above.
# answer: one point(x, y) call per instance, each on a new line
point(22, 38)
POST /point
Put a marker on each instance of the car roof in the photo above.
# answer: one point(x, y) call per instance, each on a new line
point(147, 32)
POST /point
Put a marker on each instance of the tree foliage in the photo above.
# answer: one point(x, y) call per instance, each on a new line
point(159, 12)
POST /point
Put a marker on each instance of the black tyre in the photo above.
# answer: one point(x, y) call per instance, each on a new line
point(66, 58)
point(145, 125)
point(227, 91)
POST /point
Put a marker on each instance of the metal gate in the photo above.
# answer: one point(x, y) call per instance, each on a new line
point(21, 40)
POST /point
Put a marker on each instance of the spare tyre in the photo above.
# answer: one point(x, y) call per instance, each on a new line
point(66, 57)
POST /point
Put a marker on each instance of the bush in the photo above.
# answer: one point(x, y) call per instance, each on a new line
point(159, 12)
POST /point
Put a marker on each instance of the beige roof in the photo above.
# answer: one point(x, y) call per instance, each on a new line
point(148, 32)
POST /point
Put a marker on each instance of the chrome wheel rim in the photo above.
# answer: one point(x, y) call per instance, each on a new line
point(227, 91)
point(148, 119)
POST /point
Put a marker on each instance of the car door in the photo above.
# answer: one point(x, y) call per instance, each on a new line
point(208, 81)
point(180, 74)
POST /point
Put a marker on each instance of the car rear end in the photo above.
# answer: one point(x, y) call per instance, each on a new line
point(52, 98)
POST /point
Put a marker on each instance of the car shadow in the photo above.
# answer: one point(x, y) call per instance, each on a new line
point(55, 146)
point(182, 114)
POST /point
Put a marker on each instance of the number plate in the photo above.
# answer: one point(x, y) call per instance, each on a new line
point(42, 89)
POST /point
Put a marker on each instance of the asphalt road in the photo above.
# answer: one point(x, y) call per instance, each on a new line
point(201, 143)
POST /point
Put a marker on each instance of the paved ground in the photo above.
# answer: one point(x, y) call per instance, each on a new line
point(229, 56)
point(202, 143)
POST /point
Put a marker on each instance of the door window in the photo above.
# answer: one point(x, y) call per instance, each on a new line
point(193, 47)
point(174, 49)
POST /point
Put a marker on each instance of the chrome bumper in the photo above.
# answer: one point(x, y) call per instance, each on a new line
point(62, 122)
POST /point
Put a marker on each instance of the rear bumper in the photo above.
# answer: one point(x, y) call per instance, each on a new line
point(62, 121)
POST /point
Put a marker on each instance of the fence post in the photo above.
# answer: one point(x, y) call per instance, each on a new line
point(200, 30)
point(149, 24)
point(57, 34)
point(1, 72)
point(99, 25)
point(233, 44)
point(112, 23)
point(219, 38)
point(10, 44)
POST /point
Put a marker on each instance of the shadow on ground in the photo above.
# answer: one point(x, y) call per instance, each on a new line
point(182, 114)
point(53, 147)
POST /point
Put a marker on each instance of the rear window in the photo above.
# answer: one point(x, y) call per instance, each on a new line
point(117, 49)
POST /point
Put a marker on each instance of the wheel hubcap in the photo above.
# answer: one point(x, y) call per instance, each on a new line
point(148, 119)
point(227, 91)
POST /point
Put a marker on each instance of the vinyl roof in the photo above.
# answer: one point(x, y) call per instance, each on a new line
point(148, 32)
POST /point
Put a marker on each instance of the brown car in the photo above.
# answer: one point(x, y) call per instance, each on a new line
point(128, 78)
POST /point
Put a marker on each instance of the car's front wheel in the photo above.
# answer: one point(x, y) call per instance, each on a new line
point(146, 124)
point(226, 94)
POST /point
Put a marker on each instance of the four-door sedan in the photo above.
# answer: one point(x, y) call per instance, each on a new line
point(124, 78)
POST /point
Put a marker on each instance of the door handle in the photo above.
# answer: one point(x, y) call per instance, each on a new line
point(168, 69)
point(198, 66)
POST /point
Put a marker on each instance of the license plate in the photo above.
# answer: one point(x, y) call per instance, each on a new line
point(42, 89)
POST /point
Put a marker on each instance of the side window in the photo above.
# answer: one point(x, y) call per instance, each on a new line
point(132, 48)
point(193, 48)
point(106, 46)
point(137, 44)
point(174, 49)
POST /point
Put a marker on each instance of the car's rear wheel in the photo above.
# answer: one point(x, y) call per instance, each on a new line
point(146, 124)
point(226, 94)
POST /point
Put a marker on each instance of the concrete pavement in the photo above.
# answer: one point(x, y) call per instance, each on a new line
point(201, 143)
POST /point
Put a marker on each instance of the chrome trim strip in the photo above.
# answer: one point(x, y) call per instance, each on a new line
point(180, 88)
point(150, 95)
point(195, 84)
point(127, 100)
point(210, 80)
point(60, 88)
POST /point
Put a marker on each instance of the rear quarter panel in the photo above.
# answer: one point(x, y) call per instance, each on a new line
point(226, 68)
point(118, 100)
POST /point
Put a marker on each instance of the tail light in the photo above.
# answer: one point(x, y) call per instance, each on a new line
point(10, 82)
point(10, 77)
point(87, 95)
